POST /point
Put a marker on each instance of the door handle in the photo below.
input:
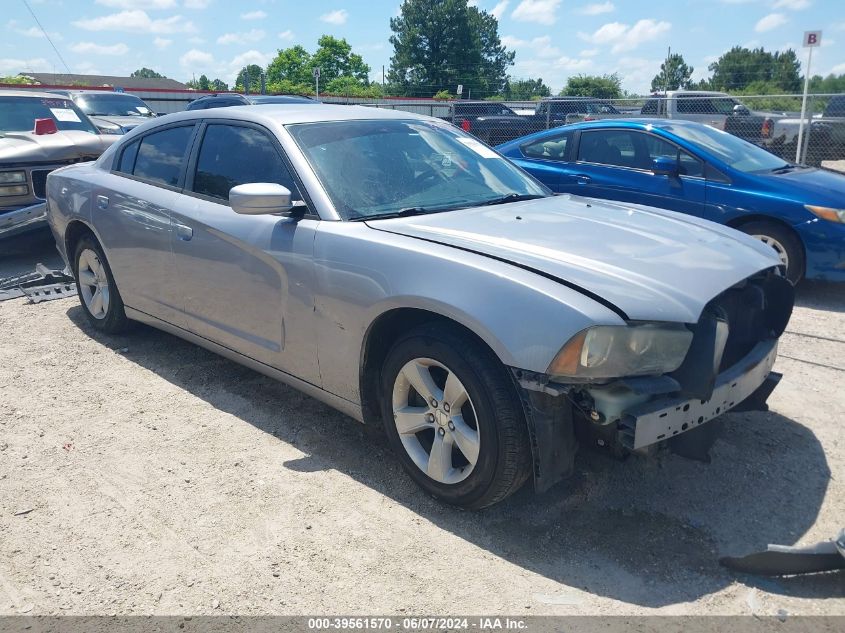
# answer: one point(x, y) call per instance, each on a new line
point(184, 233)
point(582, 179)
point(102, 202)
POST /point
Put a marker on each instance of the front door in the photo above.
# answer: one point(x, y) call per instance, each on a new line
point(245, 280)
point(615, 164)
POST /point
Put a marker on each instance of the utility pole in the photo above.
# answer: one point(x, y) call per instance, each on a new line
point(666, 70)
point(812, 39)
point(316, 72)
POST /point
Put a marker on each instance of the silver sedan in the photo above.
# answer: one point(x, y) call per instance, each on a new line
point(401, 271)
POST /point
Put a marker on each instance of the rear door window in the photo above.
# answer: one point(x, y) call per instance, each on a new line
point(549, 148)
point(162, 154)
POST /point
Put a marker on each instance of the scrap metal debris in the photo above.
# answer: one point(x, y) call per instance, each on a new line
point(40, 285)
point(785, 560)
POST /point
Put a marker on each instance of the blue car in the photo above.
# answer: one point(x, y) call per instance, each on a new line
point(696, 169)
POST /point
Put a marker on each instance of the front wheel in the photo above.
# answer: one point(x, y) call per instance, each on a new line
point(452, 416)
point(785, 243)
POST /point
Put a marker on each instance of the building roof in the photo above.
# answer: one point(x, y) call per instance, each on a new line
point(136, 83)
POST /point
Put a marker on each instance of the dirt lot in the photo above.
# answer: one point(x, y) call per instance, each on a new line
point(140, 474)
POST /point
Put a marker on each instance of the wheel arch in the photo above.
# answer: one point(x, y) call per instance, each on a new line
point(379, 337)
point(742, 220)
point(74, 232)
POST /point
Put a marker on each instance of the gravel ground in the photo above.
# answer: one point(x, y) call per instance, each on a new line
point(142, 475)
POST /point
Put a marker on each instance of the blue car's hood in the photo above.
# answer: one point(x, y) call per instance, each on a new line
point(650, 263)
point(811, 182)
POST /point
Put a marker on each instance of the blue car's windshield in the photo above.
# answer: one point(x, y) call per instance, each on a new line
point(739, 154)
point(376, 168)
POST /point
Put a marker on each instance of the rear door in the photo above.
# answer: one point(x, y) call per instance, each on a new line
point(615, 164)
point(245, 280)
point(132, 215)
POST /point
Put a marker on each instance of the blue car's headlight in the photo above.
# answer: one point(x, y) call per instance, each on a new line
point(827, 213)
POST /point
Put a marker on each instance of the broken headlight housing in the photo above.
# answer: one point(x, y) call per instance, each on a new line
point(617, 351)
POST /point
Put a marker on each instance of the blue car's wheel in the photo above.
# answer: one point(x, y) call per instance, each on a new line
point(784, 242)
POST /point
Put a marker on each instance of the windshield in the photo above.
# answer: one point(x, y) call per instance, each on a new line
point(113, 104)
point(735, 152)
point(380, 168)
point(18, 114)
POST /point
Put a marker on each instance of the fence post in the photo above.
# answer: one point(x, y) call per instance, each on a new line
point(807, 129)
point(548, 114)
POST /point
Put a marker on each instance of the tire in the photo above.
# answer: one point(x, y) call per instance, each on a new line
point(90, 265)
point(489, 423)
point(784, 241)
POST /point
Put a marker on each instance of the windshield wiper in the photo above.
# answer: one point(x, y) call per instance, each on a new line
point(511, 197)
point(401, 213)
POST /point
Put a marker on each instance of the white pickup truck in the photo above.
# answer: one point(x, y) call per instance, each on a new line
point(710, 108)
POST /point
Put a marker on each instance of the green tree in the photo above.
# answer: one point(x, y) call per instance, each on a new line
point(674, 74)
point(203, 83)
point(335, 59)
point(439, 44)
point(254, 72)
point(291, 64)
point(526, 90)
point(16, 80)
point(740, 66)
point(219, 85)
point(601, 87)
point(147, 73)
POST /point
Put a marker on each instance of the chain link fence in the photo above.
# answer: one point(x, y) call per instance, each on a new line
point(770, 121)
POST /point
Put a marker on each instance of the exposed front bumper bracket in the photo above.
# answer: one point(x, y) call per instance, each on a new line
point(662, 419)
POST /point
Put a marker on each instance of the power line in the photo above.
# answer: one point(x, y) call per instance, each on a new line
point(58, 54)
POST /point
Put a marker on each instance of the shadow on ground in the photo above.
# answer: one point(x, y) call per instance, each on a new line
point(643, 531)
point(821, 295)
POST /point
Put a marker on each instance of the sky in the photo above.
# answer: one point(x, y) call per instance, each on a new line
point(553, 39)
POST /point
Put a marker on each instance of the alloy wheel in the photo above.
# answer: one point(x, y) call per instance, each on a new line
point(93, 283)
point(436, 420)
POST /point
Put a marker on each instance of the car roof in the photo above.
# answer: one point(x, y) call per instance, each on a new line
point(293, 113)
point(35, 94)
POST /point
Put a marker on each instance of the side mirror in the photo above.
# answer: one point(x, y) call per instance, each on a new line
point(260, 198)
point(741, 110)
point(665, 166)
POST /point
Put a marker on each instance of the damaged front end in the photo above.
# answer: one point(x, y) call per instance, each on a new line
point(721, 363)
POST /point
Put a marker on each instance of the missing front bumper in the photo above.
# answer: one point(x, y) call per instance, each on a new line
point(665, 418)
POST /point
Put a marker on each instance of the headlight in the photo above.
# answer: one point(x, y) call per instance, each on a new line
point(827, 213)
point(12, 177)
point(616, 351)
point(14, 190)
point(111, 130)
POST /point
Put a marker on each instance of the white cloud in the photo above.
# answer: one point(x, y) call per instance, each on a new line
point(34, 31)
point(286, 35)
point(136, 21)
point(195, 58)
point(573, 63)
point(540, 11)
point(499, 10)
point(253, 15)
point(138, 4)
point(540, 46)
point(253, 35)
point(839, 69)
point(99, 49)
point(196, 4)
point(625, 37)
point(597, 8)
point(792, 5)
point(335, 17)
point(589, 52)
point(228, 71)
point(161, 43)
point(9, 66)
point(769, 22)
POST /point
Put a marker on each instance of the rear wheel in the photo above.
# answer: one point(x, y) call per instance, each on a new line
point(96, 288)
point(784, 242)
point(452, 416)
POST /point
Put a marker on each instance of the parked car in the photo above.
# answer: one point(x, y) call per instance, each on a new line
point(699, 170)
point(226, 99)
point(825, 134)
point(39, 132)
point(111, 112)
point(401, 271)
point(496, 123)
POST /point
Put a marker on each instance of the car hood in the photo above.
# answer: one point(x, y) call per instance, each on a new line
point(811, 182)
point(648, 263)
point(126, 122)
point(27, 147)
